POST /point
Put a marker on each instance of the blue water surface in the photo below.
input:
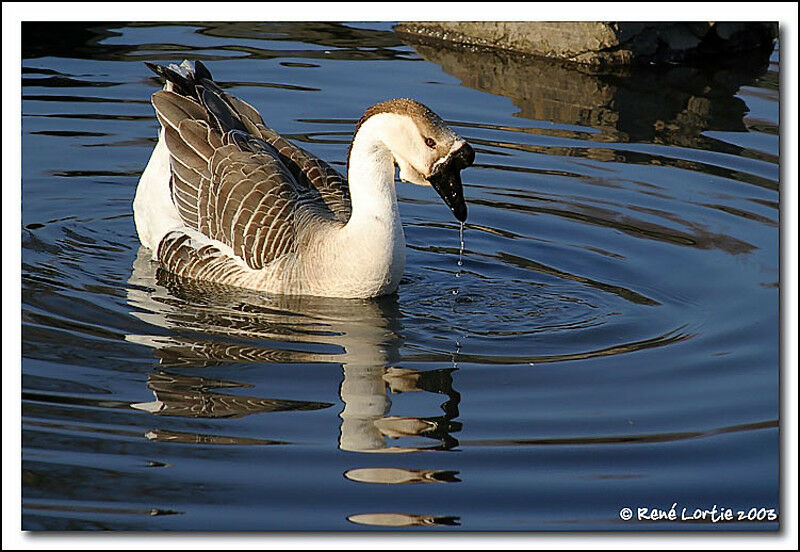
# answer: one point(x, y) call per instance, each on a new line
point(610, 342)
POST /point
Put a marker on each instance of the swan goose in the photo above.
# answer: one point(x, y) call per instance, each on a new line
point(226, 199)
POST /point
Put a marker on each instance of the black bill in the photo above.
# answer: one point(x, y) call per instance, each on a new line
point(446, 180)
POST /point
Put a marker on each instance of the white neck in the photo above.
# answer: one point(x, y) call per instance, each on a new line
point(368, 254)
point(371, 174)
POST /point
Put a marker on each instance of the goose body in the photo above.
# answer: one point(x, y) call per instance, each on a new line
point(226, 199)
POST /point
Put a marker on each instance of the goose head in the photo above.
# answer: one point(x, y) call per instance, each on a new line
point(426, 150)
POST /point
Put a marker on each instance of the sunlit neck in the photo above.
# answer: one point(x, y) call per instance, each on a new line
point(371, 170)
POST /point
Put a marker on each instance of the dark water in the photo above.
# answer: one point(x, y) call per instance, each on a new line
point(610, 341)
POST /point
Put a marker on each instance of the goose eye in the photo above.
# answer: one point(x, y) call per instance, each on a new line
point(430, 142)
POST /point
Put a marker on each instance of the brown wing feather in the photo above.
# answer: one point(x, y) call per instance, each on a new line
point(244, 199)
point(308, 169)
point(180, 255)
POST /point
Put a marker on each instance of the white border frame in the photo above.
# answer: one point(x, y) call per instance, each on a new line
point(14, 13)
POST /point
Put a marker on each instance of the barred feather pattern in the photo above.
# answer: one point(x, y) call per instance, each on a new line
point(241, 188)
point(189, 396)
point(182, 255)
point(308, 170)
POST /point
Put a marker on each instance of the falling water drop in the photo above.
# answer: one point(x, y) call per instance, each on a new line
point(460, 249)
point(460, 255)
point(459, 339)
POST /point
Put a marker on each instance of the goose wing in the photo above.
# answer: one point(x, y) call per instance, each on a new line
point(228, 186)
point(308, 169)
point(234, 179)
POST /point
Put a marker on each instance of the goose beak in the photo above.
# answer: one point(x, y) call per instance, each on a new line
point(446, 180)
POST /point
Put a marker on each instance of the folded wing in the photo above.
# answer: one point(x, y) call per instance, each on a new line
point(234, 179)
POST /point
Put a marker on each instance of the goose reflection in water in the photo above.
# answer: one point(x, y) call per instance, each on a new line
point(179, 395)
point(396, 519)
point(239, 326)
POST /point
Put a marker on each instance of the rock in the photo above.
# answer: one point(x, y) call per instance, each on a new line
point(603, 43)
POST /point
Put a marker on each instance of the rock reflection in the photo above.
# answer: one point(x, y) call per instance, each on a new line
point(235, 39)
point(667, 105)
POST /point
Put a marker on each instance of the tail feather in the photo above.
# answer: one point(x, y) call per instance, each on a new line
point(183, 81)
point(225, 115)
point(193, 80)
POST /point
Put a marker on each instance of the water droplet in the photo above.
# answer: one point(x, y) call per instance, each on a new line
point(461, 248)
point(457, 290)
